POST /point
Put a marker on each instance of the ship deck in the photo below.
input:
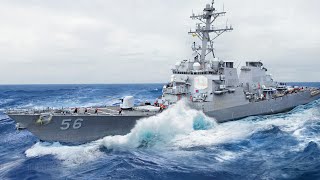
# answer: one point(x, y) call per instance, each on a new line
point(91, 111)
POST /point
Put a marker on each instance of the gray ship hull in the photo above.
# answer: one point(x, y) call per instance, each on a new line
point(80, 129)
point(271, 106)
point(77, 129)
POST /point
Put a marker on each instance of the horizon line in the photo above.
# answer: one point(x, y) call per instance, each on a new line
point(139, 83)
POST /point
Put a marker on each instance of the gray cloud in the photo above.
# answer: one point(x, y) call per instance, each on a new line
point(104, 41)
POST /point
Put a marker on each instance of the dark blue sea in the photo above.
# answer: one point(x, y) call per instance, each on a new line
point(175, 145)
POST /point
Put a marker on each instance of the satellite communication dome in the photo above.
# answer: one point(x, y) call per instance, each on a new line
point(178, 64)
point(196, 66)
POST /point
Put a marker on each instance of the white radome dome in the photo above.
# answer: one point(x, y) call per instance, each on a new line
point(178, 64)
point(196, 66)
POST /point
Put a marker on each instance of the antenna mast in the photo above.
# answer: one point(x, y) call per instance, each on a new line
point(205, 28)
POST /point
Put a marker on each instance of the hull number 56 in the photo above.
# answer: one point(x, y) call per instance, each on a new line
point(68, 123)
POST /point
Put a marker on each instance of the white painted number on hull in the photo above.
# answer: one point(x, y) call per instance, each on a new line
point(67, 123)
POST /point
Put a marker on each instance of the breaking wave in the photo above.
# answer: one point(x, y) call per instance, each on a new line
point(161, 129)
point(71, 155)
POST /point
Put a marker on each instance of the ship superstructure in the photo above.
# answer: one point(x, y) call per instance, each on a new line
point(203, 76)
point(206, 80)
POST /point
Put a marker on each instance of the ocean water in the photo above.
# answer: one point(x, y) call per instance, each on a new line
point(180, 143)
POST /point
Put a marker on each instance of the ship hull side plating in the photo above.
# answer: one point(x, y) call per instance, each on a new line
point(77, 129)
point(81, 129)
point(271, 106)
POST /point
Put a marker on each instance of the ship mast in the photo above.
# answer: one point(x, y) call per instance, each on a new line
point(205, 28)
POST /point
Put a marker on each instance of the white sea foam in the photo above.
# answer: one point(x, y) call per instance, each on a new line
point(70, 155)
point(5, 101)
point(8, 166)
point(238, 130)
point(226, 155)
point(161, 129)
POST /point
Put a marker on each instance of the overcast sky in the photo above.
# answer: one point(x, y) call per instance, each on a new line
point(139, 41)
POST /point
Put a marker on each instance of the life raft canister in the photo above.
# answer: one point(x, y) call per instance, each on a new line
point(162, 106)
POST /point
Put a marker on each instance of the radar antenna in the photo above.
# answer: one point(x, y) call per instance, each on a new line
point(205, 28)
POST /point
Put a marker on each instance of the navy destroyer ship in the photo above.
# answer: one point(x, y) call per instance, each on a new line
point(206, 83)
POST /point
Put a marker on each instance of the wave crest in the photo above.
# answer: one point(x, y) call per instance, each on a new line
point(161, 129)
